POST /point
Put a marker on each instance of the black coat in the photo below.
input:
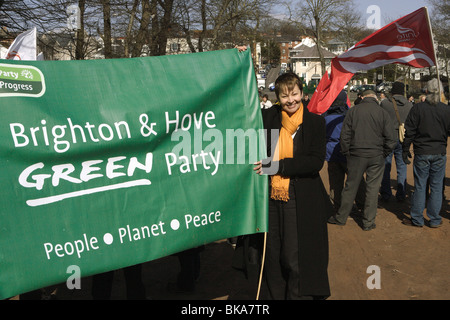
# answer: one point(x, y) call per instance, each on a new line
point(313, 204)
point(428, 128)
point(368, 131)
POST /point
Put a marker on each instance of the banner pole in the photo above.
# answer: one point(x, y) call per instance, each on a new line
point(435, 55)
point(262, 266)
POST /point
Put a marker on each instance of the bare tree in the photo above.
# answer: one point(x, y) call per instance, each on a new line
point(348, 27)
point(50, 18)
point(162, 28)
point(440, 18)
point(320, 16)
point(143, 24)
point(224, 22)
point(107, 28)
point(231, 18)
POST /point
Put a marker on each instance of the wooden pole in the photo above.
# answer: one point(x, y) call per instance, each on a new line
point(262, 266)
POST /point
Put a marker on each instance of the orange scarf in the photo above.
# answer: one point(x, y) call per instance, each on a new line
point(285, 149)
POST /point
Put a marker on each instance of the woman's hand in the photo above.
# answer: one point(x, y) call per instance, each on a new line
point(241, 48)
point(258, 167)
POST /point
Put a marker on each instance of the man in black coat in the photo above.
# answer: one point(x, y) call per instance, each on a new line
point(367, 137)
point(428, 129)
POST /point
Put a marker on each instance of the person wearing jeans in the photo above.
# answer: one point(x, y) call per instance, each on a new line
point(427, 128)
point(385, 189)
point(428, 167)
point(403, 107)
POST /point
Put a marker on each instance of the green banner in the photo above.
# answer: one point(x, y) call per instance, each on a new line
point(111, 163)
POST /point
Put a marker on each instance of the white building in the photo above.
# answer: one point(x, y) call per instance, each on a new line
point(336, 46)
point(306, 62)
point(181, 46)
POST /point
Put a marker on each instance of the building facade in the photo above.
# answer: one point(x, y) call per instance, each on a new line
point(305, 60)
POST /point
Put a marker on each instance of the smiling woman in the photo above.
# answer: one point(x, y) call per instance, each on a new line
point(289, 94)
point(297, 240)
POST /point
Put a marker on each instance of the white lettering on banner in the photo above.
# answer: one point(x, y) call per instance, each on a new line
point(66, 134)
point(144, 232)
point(16, 86)
point(70, 247)
point(186, 121)
point(32, 177)
point(75, 194)
point(9, 74)
point(186, 165)
point(82, 245)
point(22, 137)
point(202, 220)
point(63, 136)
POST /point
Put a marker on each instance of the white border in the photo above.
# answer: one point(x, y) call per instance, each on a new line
point(40, 94)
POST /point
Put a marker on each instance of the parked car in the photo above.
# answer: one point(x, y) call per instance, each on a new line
point(351, 87)
point(262, 73)
point(354, 88)
point(364, 87)
point(261, 84)
point(384, 87)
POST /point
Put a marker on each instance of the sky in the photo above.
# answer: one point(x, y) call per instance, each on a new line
point(390, 10)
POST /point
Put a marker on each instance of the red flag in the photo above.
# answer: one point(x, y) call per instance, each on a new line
point(407, 41)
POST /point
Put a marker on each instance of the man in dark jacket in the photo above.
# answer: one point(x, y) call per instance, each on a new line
point(367, 137)
point(403, 107)
point(427, 128)
point(337, 162)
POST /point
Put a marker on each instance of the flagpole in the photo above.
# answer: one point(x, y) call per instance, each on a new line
point(435, 55)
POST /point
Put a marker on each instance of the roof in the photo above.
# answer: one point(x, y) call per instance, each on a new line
point(303, 51)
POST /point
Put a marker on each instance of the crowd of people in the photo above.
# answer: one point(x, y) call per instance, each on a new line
point(358, 143)
point(370, 133)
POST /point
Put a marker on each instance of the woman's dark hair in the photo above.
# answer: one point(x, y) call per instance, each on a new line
point(287, 80)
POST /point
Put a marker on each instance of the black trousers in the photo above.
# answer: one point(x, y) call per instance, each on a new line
point(357, 167)
point(189, 268)
point(102, 284)
point(281, 271)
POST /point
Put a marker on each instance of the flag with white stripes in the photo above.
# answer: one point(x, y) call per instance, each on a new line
point(407, 41)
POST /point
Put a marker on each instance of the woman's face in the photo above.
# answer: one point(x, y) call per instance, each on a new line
point(290, 100)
